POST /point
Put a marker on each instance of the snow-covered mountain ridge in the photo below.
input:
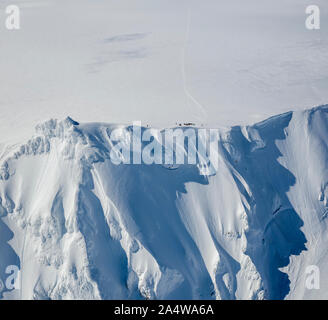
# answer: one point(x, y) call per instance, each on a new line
point(80, 227)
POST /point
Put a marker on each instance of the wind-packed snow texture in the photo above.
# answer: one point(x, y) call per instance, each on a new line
point(218, 62)
point(80, 227)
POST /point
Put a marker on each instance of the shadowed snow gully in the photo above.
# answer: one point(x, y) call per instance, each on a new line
point(80, 226)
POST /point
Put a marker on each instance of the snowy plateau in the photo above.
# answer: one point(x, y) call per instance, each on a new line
point(74, 225)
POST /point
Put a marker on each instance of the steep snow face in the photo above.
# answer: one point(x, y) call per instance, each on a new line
point(80, 227)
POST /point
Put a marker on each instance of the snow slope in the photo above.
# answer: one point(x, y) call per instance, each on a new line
point(80, 227)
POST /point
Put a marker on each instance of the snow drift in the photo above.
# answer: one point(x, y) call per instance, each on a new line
point(80, 227)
